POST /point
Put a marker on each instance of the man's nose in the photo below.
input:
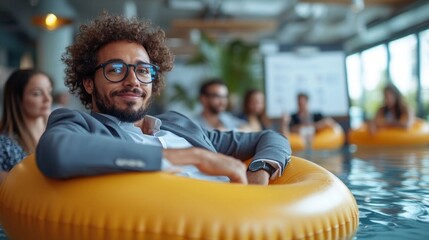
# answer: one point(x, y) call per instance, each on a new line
point(131, 78)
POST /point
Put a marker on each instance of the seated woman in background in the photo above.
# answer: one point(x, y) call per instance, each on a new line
point(26, 106)
point(254, 114)
point(304, 119)
point(394, 112)
point(254, 110)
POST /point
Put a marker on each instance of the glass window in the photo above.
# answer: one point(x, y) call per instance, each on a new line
point(354, 82)
point(424, 70)
point(403, 65)
point(374, 77)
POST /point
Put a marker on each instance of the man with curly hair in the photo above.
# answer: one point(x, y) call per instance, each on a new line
point(116, 66)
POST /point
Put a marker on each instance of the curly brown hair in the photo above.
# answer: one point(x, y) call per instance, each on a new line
point(80, 58)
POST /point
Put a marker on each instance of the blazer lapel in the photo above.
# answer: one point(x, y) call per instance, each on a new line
point(184, 127)
point(113, 127)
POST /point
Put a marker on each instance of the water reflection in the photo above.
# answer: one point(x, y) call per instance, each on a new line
point(391, 187)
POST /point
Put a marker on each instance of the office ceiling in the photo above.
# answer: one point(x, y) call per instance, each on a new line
point(280, 21)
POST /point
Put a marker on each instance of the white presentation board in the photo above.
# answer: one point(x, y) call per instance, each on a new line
point(320, 75)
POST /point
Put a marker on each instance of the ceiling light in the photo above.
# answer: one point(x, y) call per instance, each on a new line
point(50, 21)
point(52, 14)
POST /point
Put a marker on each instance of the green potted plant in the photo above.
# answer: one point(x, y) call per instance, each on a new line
point(236, 62)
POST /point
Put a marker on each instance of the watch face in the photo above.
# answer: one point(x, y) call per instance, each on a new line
point(255, 166)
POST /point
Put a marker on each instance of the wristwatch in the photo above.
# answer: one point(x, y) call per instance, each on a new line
point(261, 165)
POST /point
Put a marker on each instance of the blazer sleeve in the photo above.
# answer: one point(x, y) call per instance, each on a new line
point(266, 144)
point(263, 145)
point(76, 144)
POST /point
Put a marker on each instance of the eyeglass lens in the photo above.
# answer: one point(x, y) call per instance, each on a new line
point(117, 71)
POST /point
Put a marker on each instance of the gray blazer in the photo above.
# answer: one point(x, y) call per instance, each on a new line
point(76, 143)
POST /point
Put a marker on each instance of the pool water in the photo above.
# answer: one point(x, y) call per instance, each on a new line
point(391, 187)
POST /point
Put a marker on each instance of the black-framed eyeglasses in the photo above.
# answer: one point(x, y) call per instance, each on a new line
point(216, 96)
point(116, 71)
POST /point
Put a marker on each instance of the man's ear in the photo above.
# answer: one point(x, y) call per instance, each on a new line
point(88, 84)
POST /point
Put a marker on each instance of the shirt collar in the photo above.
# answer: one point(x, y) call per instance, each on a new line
point(149, 124)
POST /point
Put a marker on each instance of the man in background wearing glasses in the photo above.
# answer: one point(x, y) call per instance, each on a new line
point(214, 115)
point(116, 66)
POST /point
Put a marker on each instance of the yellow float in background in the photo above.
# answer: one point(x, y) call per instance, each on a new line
point(418, 134)
point(329, 138)
point(307, 202)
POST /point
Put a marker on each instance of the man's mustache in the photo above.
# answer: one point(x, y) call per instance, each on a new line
point(135, 91)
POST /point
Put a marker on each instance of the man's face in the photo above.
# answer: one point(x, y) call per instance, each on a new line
point(302, 103)
point(216, 99)
point(128, 100)
point(389, 98)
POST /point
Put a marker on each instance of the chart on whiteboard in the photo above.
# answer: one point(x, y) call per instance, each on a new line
point(319, 75)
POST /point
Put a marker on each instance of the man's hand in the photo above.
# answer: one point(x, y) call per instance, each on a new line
point(259, 177)
point(208, 162)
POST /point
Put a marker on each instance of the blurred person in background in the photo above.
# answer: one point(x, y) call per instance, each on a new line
point(26, 106)
point(255, 115)
point(394, 113)
point(304, 120)
point(214, 99)
point(306, 123)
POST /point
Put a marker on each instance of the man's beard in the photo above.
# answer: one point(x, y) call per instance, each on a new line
point(127, 115)
point(215, 109)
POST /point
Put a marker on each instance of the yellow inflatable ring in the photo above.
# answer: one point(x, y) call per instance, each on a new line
point(418, 134)
point(307, 202)
point(329, 138)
